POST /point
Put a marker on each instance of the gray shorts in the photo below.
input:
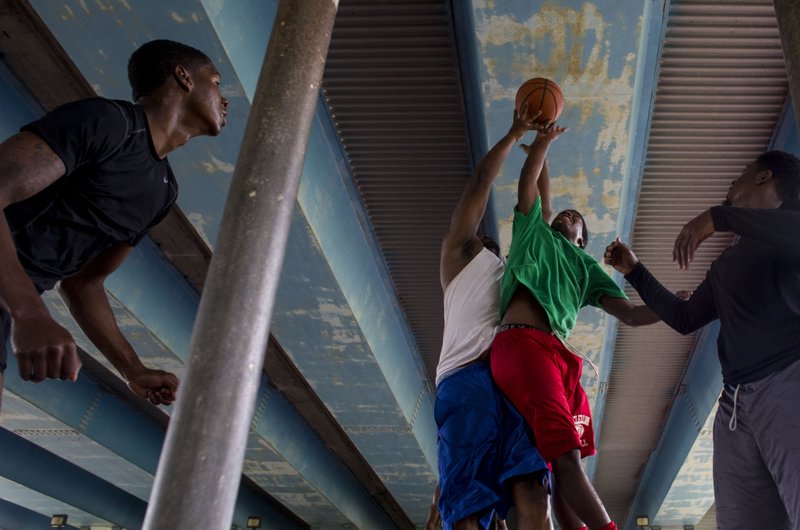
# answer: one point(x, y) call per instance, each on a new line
point(757, 465)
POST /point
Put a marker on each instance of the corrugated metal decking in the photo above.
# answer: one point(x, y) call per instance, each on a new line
point(392, 84)
point(721, 88)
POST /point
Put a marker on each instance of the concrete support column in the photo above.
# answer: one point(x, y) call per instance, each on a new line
point(788, 13)
point(201, 463)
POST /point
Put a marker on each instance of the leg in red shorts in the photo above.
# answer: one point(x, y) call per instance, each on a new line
point(542, 379)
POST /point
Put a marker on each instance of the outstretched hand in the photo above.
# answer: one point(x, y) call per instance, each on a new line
point(156, 386)
point(523, 122)
point(620, 256)
point(546, 133)
point(691, 235)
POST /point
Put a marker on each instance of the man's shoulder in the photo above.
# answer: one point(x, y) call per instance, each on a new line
point(98, 104)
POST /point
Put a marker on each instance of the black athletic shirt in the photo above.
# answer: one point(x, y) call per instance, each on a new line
point(114, 190)
point(753, 288)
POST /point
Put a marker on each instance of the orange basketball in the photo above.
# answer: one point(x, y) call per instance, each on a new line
point(540, 94)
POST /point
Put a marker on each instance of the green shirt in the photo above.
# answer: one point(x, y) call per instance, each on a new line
point(561, 276)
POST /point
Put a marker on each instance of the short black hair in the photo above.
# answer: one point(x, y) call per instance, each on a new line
point(785, 169)
point(585, 231)
point(155, 61)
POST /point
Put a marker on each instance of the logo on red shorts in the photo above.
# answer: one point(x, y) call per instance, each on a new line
point(581, 423)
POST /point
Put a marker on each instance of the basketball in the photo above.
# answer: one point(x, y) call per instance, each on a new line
point(540, 94)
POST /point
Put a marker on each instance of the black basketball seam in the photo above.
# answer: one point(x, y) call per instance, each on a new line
point(555, 104)
point(533, 93)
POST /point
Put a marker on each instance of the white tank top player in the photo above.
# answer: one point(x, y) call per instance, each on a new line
point(471, 312)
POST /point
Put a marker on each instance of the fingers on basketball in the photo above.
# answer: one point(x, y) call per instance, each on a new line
point(541, 96)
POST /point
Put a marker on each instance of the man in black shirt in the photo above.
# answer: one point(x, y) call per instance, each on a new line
point(753, 288)
point(79, 188)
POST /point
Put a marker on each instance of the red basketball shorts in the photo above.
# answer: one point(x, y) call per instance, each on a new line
point(542, 378)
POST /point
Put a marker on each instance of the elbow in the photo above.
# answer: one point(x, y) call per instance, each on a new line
point(683, 326)
point(483, 178)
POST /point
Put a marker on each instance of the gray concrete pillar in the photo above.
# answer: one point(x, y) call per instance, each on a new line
point(201, 463)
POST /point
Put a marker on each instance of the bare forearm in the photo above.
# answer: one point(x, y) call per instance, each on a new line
point(491, 164)
point(544, 192)
point(641, 315)
point(88, 304)
point(528, 189)
point(627, 313)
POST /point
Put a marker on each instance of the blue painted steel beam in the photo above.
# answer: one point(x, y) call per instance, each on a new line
point(308, 456)
point(468, 56)
point(697, 393)
point(87, 408)
point(29, 465)
point(16, 517)
point(654, 25)
point(699, 389)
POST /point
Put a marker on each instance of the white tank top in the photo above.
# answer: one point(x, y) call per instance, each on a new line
point(471, 312)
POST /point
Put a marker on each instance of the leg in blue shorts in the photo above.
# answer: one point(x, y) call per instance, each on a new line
point(484, 450)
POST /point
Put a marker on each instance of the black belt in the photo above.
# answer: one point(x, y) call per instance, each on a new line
point(504, 327)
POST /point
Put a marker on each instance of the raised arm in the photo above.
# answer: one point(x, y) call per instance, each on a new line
point(682, 315)
point(86, 298)
point(43, 348)
point(775, 226)
point(529, 187)
point(544, 193)
point(461, 243)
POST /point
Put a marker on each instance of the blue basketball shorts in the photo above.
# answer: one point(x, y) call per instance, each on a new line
point(483, 442)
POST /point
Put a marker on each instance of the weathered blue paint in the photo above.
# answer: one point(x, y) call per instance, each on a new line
point(346, 374)
point(23, 110)
point(467, 49)
point(107, 421)
point(236, 21)
point(46, 431)
point(309, 457)
point(42, 471)
point(644, 91)
point(698, 392)
point(19, 518)
point(157, 295)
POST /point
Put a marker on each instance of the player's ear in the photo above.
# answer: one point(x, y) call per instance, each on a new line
point(763, 176)
point(183, 77)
